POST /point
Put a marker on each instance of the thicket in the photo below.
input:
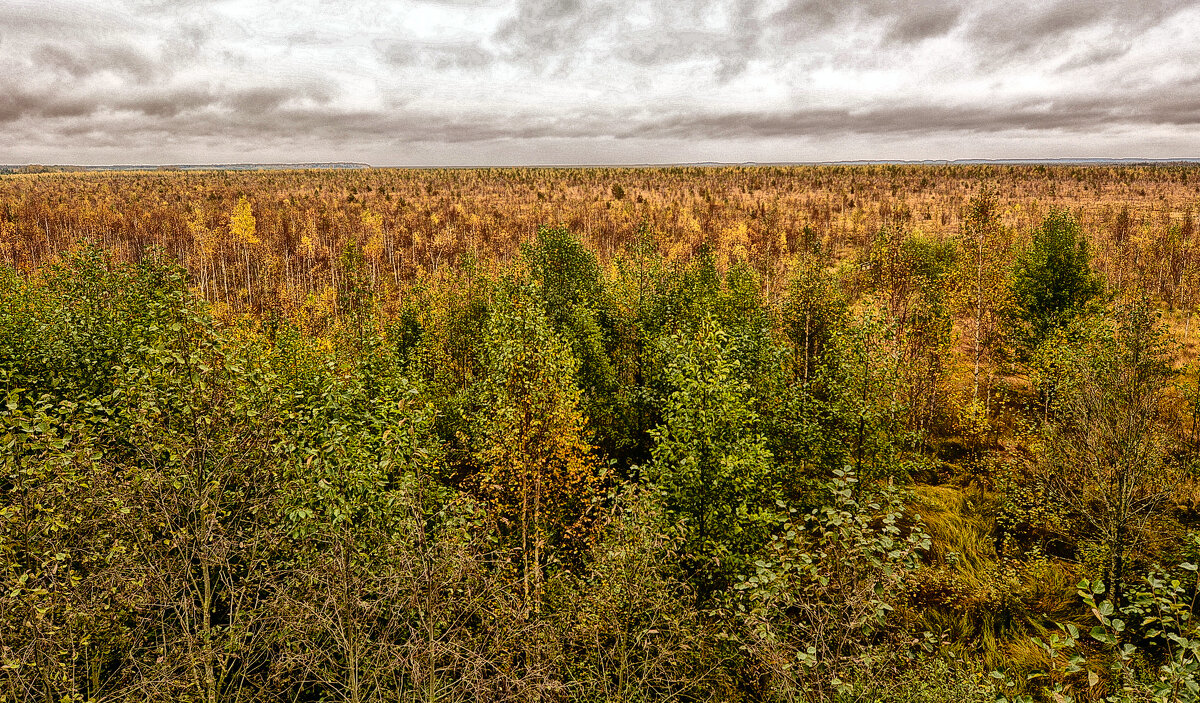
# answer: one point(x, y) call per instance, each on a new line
point(927, 468)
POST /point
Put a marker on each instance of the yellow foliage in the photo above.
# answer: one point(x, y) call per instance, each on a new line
point(242, 224)
point(373, 224)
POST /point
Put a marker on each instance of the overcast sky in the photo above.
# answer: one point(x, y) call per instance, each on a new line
point(455, 82)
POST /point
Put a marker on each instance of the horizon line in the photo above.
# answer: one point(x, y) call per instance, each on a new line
point(358, 165)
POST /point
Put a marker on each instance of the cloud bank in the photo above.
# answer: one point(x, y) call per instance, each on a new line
point(499, 82)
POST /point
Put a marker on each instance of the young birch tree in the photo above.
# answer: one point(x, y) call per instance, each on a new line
point(1105, 458)
point(985, 244)
point(536, 468)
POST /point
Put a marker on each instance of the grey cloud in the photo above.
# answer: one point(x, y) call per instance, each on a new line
point(189, 76)
point(269, 99)
point(902, 23)
point(436, 55)
point(23, 18)
point(1088, 114)
point(81, 63)
point(332, 125)
point(926, 22)
point(18, 103)
point(558, 27)
point(1035, 28)
point(550, 35)
point(166, 103)
point(462, 3)
point(268, 116)
point(678, 36)
point(163, 104)
point(171, 7)
point(803, 18)
point(652, 47)
point(1091, 57)
point(559, 35)
point(15, 104)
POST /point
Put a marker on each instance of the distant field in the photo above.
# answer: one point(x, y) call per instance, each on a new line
point(408, 223)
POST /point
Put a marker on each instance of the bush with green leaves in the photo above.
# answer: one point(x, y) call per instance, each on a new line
point(154, 461)
point(571, 289)
point(1146, 650)
point(534, 466)
point(629, 625)
point(816, 605)
point(709, 460)
point(1152, 641)
point(1105, 452)
point(1052, 279)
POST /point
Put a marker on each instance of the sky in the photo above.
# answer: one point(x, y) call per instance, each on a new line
point(522, 82)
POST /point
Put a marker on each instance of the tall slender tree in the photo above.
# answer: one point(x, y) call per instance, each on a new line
point(1105, 454)
point(535, 466)
point(983, 269)
point(709, 460)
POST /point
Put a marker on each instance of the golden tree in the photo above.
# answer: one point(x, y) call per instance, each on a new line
point(242, 228)
point(536, 468)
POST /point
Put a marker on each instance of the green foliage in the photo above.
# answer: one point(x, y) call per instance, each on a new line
point(70, 334)
point(535, 466)
point(1052, 278)
point(820, 403)
point(171, 453)
point(354, 291)
point(1149, 647)
point(637, 290)
point(985, 245)
point(909, 678)
point(825, 586)
point(629, 627)
point(447, 357)
point(709, 461)
point(353, 433)
point(910, 276)
point(811, 315)
point(863, 407)
point(579, 310)
point(1157, 623)
point(1105, 454)
point(653, 479)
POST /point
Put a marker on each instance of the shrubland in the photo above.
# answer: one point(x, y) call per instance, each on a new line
point(826, 433)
